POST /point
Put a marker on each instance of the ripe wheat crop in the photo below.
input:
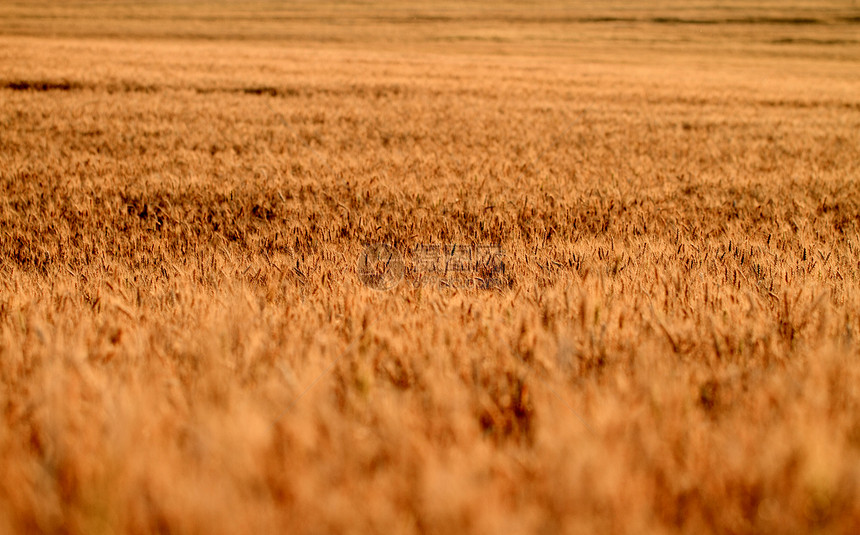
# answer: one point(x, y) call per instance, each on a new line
point(188, 345)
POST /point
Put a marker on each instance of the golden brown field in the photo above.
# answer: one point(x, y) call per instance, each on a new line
point(186, 345)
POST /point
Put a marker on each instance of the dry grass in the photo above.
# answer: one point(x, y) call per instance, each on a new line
point(185, 345)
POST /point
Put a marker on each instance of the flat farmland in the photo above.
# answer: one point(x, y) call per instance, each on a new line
point(189, 193)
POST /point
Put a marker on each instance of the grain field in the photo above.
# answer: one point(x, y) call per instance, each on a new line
point(192, 339)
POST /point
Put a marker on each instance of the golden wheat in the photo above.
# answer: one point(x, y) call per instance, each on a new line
point(186, 344)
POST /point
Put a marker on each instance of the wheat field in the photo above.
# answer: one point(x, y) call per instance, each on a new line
point(187, 344)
